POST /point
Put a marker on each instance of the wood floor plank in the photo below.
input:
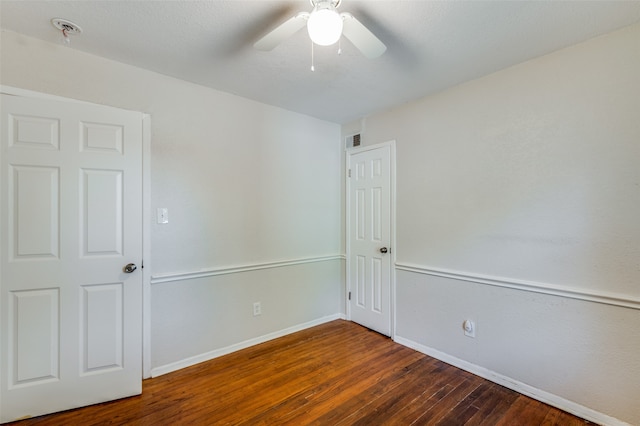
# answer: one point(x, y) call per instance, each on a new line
point(492, 406)
point(343, 378)
point(389, 396)
point(468, 407)
point(341, 399)
point(312, 387)
point(524, 411)
point(335, 374)
point(557, 417)
point(437, 387)
point(450, 402)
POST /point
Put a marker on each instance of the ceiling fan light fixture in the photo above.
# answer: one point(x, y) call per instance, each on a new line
point(324, 24)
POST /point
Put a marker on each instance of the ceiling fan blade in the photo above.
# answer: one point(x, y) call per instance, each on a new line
point(282, 32)
point(361, 37)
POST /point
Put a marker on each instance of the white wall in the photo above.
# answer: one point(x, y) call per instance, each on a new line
point(246, 184)
point(518, 206)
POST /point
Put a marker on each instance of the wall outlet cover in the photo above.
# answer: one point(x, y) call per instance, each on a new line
point(469, 328)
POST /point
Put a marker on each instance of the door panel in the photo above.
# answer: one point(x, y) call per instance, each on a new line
point(33, 337)
point(102, 338)
point(102, 212)
point(33, 132)
point(370, 231)
point(102, 137)
point(71, 218)
point(33, 197)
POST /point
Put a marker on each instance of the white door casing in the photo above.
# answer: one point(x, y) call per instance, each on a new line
point(71, 218)
point(370, 217)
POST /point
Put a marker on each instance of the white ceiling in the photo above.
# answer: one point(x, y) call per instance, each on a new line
point(431, 45)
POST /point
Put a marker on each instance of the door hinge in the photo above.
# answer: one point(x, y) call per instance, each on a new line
point(349, 172)
point(349, 295)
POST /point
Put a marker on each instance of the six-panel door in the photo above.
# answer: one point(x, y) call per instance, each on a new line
point(369, 238)
point(71, 216)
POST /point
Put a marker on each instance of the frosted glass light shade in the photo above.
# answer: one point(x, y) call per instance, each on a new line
point(324, 25)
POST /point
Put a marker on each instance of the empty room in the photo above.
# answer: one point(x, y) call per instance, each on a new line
point(327, 212)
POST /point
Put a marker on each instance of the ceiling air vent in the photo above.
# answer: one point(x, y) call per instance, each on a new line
point(352, 141)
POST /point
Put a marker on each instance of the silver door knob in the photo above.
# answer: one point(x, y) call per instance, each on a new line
point(129, 268)
point(383, 250)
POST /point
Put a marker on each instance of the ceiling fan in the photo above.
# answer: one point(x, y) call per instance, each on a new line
point(325, 26)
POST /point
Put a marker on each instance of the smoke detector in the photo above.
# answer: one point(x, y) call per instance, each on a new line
point(66, 26)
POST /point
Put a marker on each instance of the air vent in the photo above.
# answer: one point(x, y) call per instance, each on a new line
point(352, 141)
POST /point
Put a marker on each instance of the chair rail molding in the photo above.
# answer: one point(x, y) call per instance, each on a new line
point(211, 272)
point(608, 298)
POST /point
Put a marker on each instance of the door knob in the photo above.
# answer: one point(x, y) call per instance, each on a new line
point(129, 268)
point(383, 250)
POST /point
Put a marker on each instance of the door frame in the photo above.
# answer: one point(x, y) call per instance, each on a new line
point(392, 252)
point(146, 214)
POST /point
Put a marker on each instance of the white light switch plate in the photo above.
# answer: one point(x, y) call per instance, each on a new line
point(163, 215)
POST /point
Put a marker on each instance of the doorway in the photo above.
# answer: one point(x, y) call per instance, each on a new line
point(370, 236)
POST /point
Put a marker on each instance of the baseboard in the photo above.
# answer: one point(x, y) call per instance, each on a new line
point(523, 388)
point(188, 362)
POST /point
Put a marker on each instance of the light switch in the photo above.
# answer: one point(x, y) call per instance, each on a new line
point(163, 215)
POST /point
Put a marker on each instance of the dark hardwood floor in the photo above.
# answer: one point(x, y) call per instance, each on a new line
point(334, 374)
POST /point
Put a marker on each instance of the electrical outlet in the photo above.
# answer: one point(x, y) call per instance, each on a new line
point(469, 328)
point(257, 309)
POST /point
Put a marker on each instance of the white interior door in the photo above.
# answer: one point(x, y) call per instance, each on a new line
point(369, 238)
point(71, 218)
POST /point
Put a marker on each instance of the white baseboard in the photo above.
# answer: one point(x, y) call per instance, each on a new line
point(188, 362)
point(523, 388)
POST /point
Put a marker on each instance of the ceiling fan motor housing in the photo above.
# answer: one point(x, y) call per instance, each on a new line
point(335, 3)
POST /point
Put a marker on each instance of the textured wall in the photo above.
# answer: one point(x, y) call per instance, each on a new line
point(527, 178)
point(245, 184)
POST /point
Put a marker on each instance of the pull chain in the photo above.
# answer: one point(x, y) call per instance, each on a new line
point(313, 68)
